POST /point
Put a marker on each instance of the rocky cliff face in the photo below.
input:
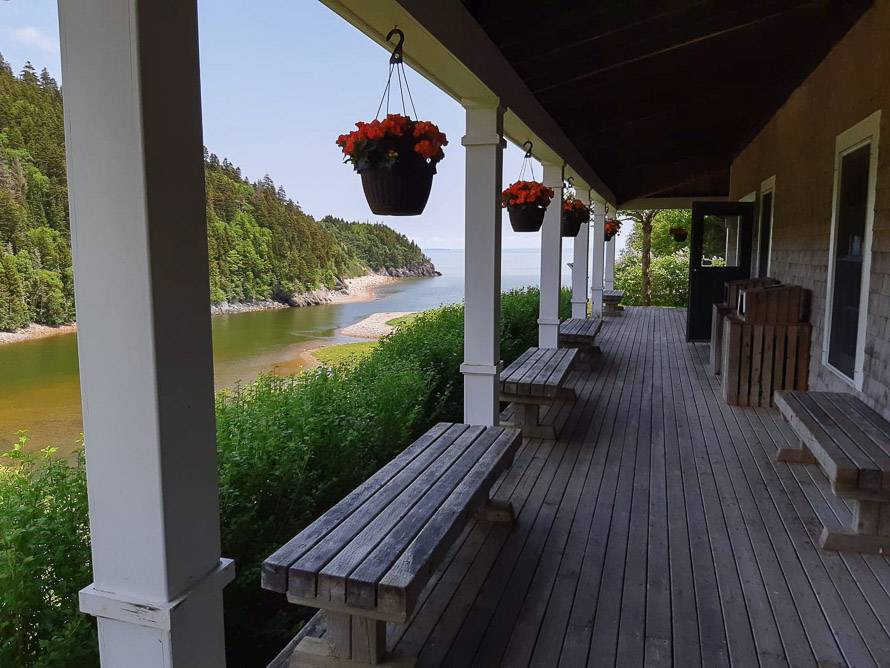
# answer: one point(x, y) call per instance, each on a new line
point(418, 270)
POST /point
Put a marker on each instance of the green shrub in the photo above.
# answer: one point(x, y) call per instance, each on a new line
point(670, 278)
point(44, 561)
point(288, 449)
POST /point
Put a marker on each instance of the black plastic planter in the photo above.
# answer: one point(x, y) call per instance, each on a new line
point(571, 223)
point(401, 190)
point(526, 218)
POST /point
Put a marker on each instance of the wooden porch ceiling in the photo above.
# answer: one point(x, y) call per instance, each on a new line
point(659, 97)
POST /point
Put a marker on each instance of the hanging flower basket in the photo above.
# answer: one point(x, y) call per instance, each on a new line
point(680, 234)
point(611, 228)
point(526, 202)
point(397, 159)
point(574, 214)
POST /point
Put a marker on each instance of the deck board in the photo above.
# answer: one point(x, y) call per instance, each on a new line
point(658, 530)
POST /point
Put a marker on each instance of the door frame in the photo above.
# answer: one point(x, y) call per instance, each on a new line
point(865, 132)
point(767, 186)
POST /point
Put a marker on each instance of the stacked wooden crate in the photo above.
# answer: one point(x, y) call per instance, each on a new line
point(729, 306)
point(766, 344)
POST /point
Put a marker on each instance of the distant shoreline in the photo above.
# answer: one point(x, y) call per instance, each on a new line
point(358, 289)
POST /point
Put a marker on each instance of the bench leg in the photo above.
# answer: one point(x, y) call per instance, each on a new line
point(349, 641)
point(870, 532)
point(528, 419)
point(799, 455)
point(496, 511)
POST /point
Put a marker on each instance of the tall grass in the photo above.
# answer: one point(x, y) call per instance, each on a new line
point(288, 449)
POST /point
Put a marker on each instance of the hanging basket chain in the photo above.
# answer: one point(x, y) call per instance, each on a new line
point(396, 63)
point(527, 161)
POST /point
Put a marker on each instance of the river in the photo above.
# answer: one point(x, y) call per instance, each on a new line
point(40, 392)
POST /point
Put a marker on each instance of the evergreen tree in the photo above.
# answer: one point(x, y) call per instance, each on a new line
point(261, 244)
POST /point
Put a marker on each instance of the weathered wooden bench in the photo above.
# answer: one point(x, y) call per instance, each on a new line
point(581, 333)
point(612, 302)
point(535, 380)
point(366, 560)
point(851, 443)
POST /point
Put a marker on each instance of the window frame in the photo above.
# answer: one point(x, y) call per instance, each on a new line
point(767, 186)
point(865, 132)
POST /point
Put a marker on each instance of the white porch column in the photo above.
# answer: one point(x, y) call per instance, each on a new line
point(551, 259)
point(597, 218)
point(579, 266)
point(484, 145)
point(139, 240)
point(609, 277)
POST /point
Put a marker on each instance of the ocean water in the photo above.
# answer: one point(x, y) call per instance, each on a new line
point(40, 389)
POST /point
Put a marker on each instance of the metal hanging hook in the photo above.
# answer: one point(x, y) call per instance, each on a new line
point(528, 149)
point(396, 57)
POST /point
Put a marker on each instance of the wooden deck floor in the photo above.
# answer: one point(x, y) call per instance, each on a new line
point(658, 531)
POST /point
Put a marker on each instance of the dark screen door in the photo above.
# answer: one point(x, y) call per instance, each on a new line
point(720, 251)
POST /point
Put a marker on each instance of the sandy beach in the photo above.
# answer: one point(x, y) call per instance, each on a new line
point(374, 326)
point(361, 288)
point(35, 331)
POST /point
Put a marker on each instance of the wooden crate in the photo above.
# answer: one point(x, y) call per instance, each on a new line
point(758, 359)
point(774, 304)
point(733, 288)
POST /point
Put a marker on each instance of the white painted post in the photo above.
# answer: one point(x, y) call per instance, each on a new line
point(579, 266)
point(551, 259)
point(598, 217)
point(484, 146)
point(139, 241)
point(609, 279)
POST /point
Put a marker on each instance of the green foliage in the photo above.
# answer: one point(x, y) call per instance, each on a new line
point(670, 278)
point(14, 311)
point(662, 242)
point(379, 246)
point(344, 353)
point(44, 561)
point(261, 243)
point(669, 269)
point(288, 448)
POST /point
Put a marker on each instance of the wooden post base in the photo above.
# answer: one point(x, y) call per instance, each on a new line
point(843, 540)
point(795, 456)
point(317, 653)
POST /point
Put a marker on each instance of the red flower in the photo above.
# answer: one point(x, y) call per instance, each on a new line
point(526, 192)
point(375, 142)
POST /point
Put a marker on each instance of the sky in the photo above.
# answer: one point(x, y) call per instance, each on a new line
point(278, 87)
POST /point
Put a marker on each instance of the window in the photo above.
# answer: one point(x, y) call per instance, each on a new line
point(855, 169)
point(767, 209)
point(720, 241)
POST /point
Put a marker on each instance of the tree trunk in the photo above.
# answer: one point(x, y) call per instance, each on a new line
point(647, 257)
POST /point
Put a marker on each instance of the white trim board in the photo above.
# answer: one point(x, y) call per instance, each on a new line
point(767, 186)
point(865, 132)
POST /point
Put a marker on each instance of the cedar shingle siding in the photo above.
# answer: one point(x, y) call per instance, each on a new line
point(798, 146)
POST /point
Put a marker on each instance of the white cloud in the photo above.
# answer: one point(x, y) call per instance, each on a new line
point(30, 36)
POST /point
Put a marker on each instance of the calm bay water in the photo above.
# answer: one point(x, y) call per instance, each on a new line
point(40, 392)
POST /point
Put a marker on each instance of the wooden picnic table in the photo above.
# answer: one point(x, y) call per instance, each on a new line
point(851, 443)
point(535, 380)
point(581, 333)
point(366, 560)
point(612, 302)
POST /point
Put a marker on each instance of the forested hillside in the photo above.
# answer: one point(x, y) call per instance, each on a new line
point(262, 245)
